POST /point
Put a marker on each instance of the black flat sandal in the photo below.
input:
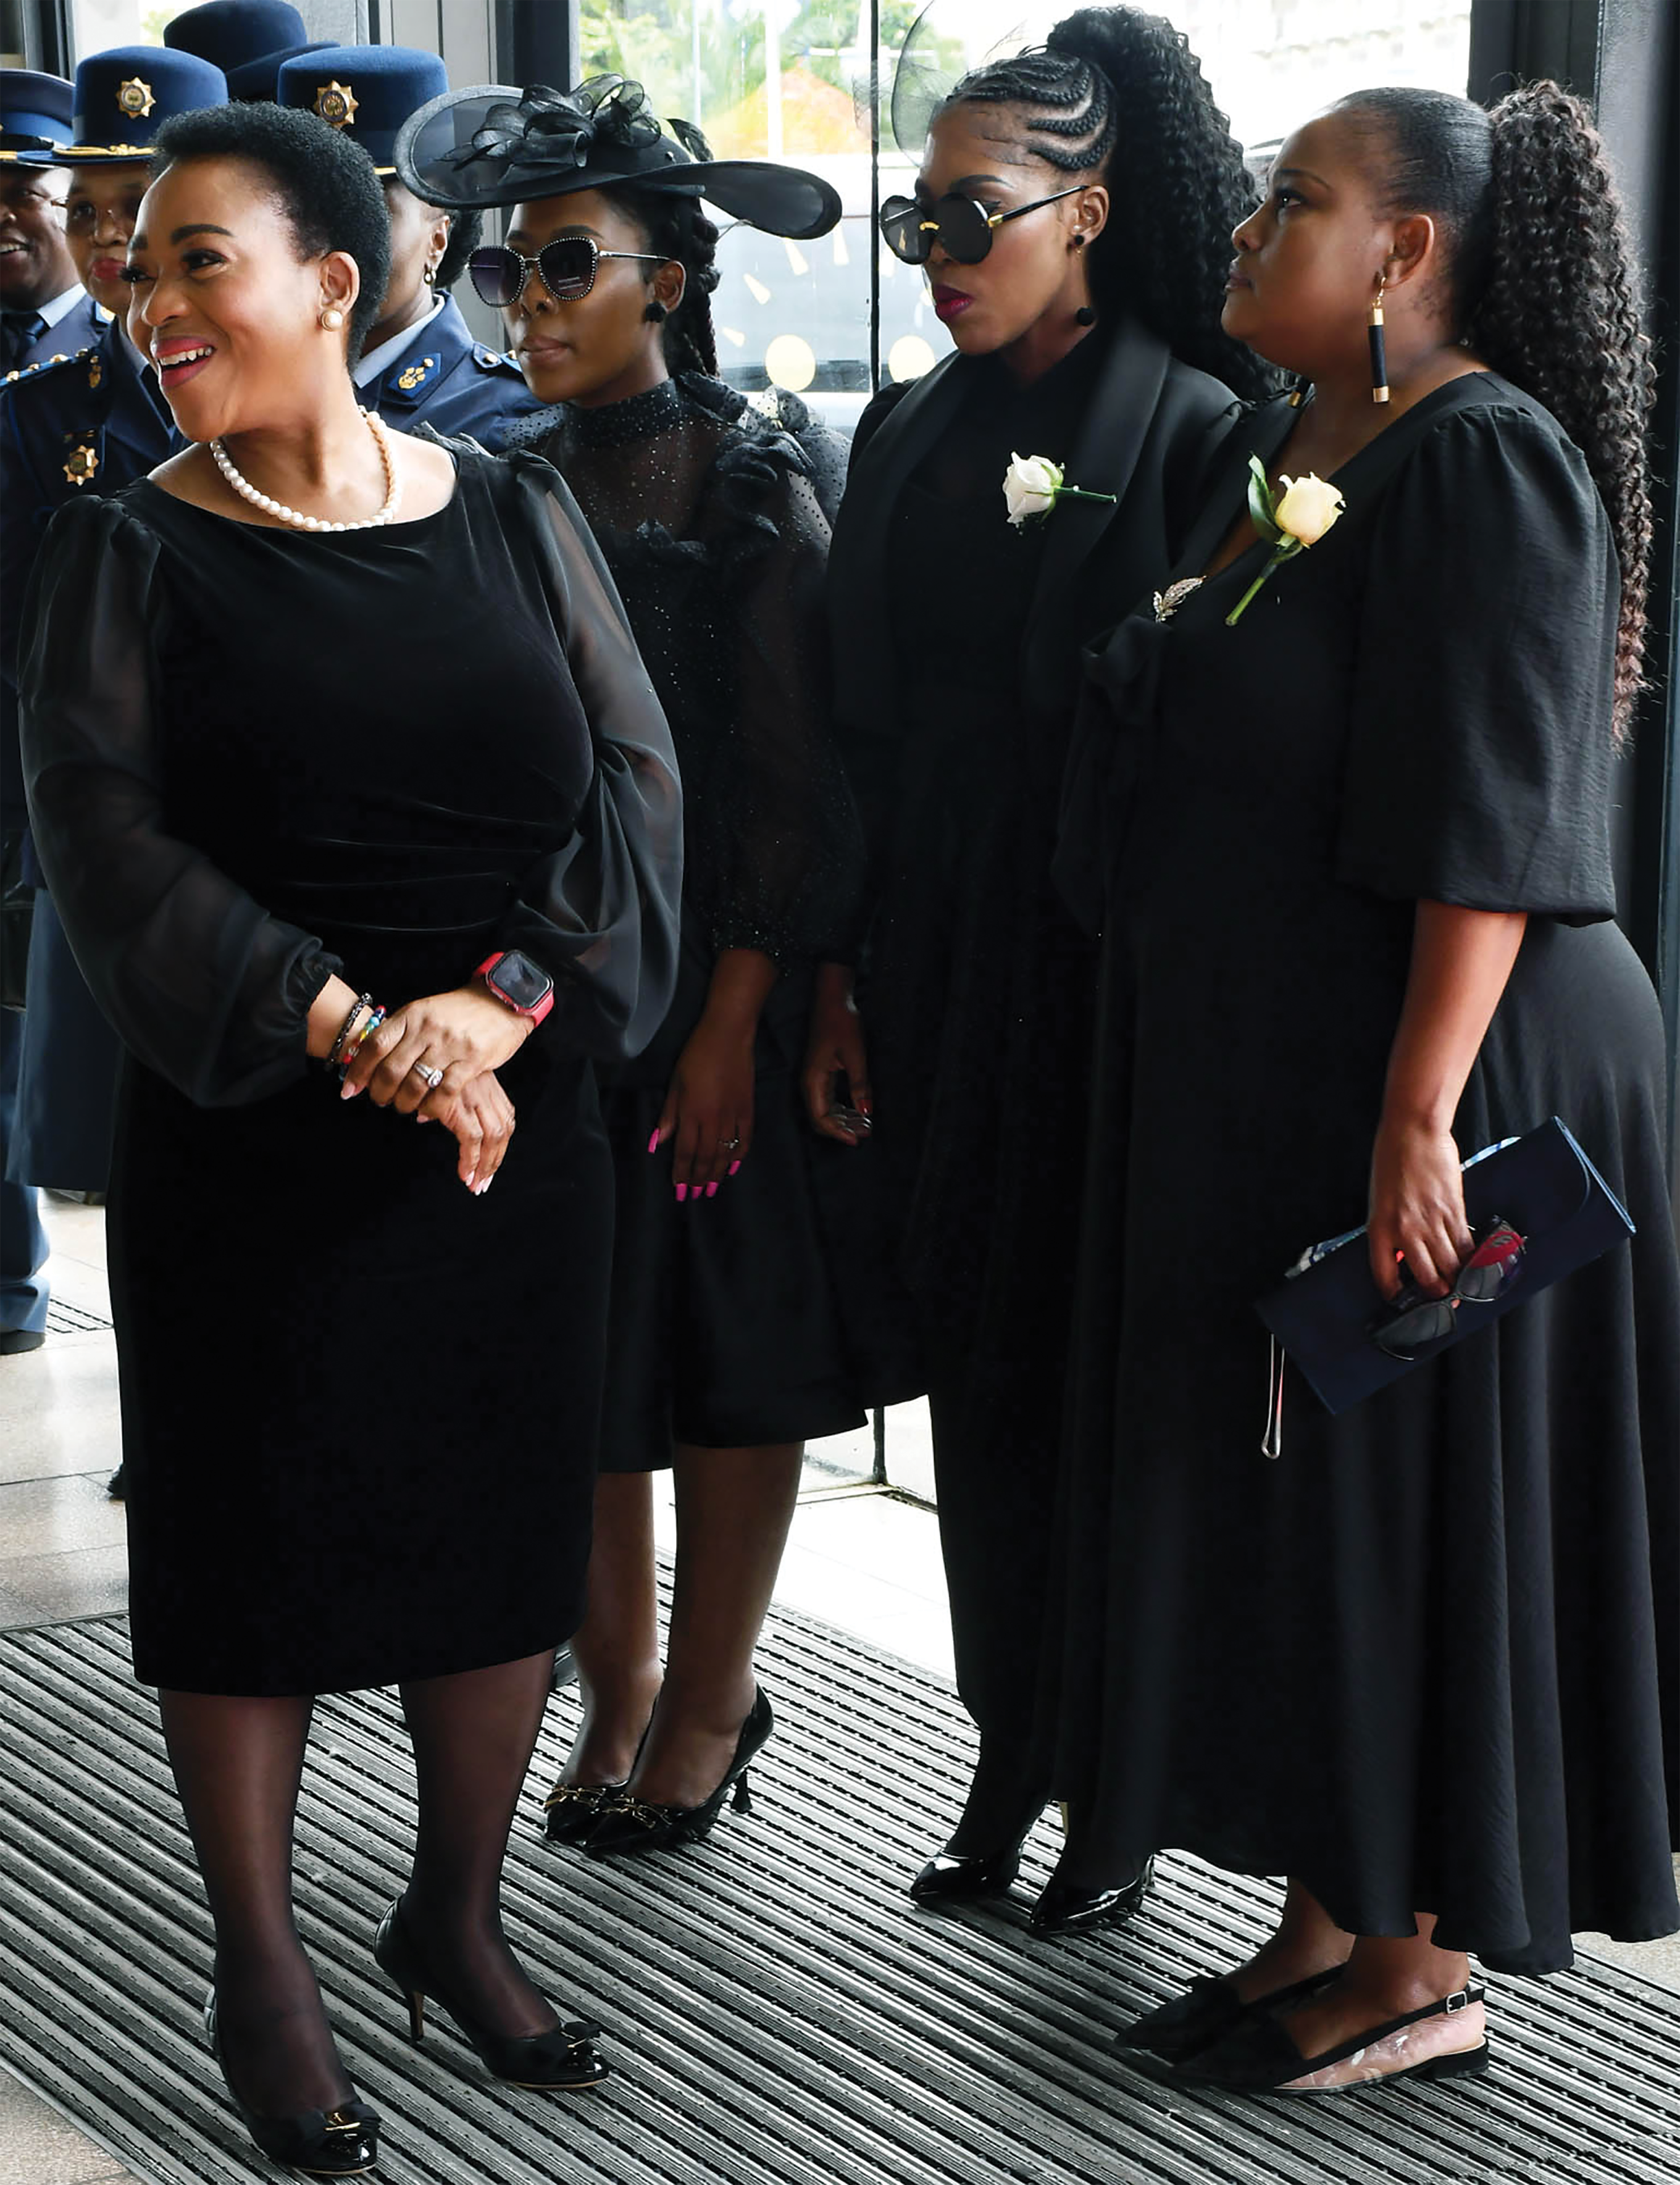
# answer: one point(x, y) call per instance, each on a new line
point(1258, 2057)
point(1209, 2009)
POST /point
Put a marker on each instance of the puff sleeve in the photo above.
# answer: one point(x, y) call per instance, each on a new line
point(600, 914)
point(200, 982)
point(1480, 760)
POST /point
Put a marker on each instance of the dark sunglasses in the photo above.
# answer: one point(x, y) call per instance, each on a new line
point(961, 226)
point(1489, 1271)
point(568, 267)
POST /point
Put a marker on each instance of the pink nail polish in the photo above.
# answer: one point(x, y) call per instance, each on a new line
point(735, 1168)
point(682, 1192)
point(712, 1191)
point(653, 1143)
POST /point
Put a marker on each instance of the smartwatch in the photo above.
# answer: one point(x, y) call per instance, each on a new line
point(514, 979)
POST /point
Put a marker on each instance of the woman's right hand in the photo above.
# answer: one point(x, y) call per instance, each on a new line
point(836, 1048)
point(482, 1117)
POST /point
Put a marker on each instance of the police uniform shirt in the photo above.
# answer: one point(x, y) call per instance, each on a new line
point(436, 374)
point(73, 320)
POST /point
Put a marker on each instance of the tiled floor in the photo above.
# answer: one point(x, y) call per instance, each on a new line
point(864, 1561)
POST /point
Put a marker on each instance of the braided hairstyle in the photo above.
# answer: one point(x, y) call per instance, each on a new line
point(466, 231)
point(1542, 284)
point(676, 228)
point(1119, 92)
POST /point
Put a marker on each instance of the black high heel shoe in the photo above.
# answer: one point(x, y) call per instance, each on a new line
point(1063, 1909)
point(637, 1824)
point(571, 1810)
point(341, 2143)
point(949, 1878)
point(560, 2061)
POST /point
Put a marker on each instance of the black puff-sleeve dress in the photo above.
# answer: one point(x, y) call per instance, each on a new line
point(725, 1329)
point(358, 1403)
point(1426, 1661)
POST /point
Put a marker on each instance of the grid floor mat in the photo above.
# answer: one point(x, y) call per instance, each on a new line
point(777, 2012)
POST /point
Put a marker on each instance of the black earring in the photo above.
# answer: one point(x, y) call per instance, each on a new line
point(655, 314)
point(1379, 351)
point(1300, 390)
point(1086, 316)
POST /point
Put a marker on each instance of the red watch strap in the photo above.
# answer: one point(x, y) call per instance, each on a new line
point(537, 1012)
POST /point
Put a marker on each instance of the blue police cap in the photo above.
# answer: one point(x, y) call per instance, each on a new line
point(123, 96)
point(367, 92)
point(35, 111)
point(246, 39)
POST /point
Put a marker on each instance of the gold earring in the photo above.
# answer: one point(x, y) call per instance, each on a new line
point(332, 318)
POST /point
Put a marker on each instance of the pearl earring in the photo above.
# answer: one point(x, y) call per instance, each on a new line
point(332, 318)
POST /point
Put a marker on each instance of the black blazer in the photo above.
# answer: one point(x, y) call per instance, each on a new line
point(1148, 434)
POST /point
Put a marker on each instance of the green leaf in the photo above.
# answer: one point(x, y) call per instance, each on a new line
point(1260, 502)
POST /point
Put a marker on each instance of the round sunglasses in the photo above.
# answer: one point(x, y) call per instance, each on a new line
point(961, 226)
point(567, 266)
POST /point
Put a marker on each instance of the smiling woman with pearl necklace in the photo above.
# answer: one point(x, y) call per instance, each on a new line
point(282, 786)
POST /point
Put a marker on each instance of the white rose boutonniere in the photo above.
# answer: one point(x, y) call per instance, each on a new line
point(1293, 520)
point(1032, 486)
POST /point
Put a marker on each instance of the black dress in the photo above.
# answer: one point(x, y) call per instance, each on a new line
point(724, 1328)
point(358, 1403)
point(957, 641)
point(1424, 1661)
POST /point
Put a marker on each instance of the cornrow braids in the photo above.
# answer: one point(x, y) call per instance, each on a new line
point(1544, 286)
point(1118, 93)
point(676, 228)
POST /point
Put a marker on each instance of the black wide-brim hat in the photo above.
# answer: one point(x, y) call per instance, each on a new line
point(493, 145)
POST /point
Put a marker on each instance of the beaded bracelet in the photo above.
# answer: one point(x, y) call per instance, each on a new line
point(376, 1019)
point(335, 1053)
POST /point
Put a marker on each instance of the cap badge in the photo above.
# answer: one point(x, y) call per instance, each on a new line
point(136, 98)
point(336, 103)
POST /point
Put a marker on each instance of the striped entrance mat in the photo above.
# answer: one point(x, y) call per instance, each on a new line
point(777, 2012)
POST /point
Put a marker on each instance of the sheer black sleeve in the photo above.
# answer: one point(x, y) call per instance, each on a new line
point(201, 983)
point(1479, 767)
point(775, 852)
point(601, 914)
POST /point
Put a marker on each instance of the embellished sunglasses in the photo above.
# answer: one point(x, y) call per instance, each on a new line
point(961, 226)
point(567, 265)
point(1489, 1271)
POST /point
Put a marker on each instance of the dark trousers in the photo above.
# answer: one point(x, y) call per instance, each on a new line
point(23, 1241)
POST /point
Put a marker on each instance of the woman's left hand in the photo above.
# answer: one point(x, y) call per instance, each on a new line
point(463, 1033)
point(1416, 1207)
point(709, 1108)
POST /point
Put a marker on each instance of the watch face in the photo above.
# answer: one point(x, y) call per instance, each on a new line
point(519, 979)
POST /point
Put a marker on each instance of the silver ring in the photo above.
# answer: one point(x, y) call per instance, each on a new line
point(433, 1077)
point(728, 1145)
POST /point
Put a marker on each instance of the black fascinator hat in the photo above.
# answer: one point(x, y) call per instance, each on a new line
point(492, 145)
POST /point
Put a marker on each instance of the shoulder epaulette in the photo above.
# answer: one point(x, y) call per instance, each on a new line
point(50, 364)
point(493, 359)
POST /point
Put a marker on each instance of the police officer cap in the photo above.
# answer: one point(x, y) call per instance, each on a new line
point(248, 40)
point(123, 96)
point(35, 111)
point(364, 92)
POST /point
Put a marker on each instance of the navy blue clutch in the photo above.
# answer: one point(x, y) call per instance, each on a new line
point(1328, 1316)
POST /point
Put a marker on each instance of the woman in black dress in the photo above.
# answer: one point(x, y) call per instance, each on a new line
point(725, 1349)
point(1350, 851)
point(1087, 333)
point(288, 766)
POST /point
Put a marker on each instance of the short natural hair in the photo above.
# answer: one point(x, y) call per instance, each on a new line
point(326, 188)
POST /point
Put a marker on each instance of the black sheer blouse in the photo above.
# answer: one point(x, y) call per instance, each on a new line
point(710, 517)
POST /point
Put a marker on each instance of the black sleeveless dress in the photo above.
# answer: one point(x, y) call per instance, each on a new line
point(359, 1404)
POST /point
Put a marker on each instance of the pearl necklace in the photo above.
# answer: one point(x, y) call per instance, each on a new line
point(393, 492)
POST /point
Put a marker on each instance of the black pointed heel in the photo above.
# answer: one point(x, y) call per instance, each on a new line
point(632, 1824)
point(1209, 2009)
point(948, 1878)
point(341, 2143)
point(563, 2060)
point(1258, 2056)
point(1065, 1910)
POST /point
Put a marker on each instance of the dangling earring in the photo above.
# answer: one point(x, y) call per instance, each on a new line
point(428, 275)
point(655, 314)
point(332, 318)
point(1299, 392)
point(1378, 353)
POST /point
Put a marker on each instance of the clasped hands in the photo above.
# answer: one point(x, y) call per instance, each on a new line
point(467, 1034)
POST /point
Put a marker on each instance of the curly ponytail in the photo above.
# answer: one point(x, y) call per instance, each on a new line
point(1120, 92)
point(1543, 287)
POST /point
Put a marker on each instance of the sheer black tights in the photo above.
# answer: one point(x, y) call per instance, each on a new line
point(237, 1765)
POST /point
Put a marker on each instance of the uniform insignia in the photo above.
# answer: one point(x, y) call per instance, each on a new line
point(492, 359)
point(136, 98)
point(416, 375)
point(82, 464)
point(336, 103)
point(96, 372)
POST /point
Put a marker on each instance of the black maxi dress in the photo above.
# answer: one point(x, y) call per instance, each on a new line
point(957, 649)
point(1425, 1659)
point(724, 1330)
point(358, 1403)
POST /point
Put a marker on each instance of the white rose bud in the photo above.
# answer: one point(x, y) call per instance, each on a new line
point(1030, 485)
point(1307, 508)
